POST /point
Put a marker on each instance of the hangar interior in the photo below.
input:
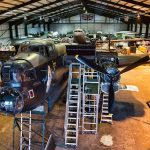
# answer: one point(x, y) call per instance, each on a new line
point(74, 74)
point(18, 17)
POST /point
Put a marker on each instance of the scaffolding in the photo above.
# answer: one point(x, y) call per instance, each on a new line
point(82, 106)
point(25, 122)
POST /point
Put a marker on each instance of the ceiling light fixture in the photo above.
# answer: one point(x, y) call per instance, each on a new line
point(40, 18)
point(126, 18)
point(46, 19)
point(138, 16)
point(53, 19)
point(25, 17)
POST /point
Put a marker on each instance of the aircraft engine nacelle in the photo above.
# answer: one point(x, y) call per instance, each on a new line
point(11, 100)
point(113, 77)
point(109, 61)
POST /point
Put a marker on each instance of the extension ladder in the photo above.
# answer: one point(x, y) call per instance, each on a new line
point(90, 101)
point(72, 116)
point(25, 133)
point(105, 116)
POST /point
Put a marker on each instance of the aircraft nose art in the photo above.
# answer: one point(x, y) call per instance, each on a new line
point(11, 100)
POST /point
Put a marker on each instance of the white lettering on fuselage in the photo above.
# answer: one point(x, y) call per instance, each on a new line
point(31, 94)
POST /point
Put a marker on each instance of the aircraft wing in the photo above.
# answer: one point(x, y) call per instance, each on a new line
point(125, 40)
point(125, 60)
point(128, 40)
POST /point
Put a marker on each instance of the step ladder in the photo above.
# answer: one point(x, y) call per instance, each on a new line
point(72, 116)
point(90, 101)
point(105, 116)
point(25, 133)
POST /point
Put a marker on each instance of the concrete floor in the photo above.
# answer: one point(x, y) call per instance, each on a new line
point(131, 121)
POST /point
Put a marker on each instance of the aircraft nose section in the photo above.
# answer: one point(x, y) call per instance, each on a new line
point(11, 100)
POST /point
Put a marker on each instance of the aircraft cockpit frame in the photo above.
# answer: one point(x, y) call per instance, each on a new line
point(43, 47)
point(13, 72)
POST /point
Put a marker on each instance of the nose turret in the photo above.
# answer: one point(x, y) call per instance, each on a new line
point(10, 71)
point(11, 100)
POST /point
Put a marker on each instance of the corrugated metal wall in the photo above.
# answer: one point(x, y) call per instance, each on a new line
point(21, 30)
point(97, 23)
point(91, 27)
point(4, 33)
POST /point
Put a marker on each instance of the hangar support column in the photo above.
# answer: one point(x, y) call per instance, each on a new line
point(147, 29)
point(44, 24)
point(33, 25)
point(10, 31)
point(141, 25)
point(25, 29)
point(39, 24)
point(48, 26)
point(128, 27)
point(131, 27)
point(135, 27)
point(16, 30)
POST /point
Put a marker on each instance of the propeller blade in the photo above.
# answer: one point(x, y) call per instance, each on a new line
point(111, 98)
point(90, 64)
point(135, 64)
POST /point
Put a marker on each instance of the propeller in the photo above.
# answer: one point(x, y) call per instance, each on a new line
point(114, 76)
point(100, 69)
point(135, 64)
point(90, 64)
point(111, 97)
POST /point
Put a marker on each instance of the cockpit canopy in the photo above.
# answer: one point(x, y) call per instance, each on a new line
point(78, 30)
point(17, 71)
point(36, 47)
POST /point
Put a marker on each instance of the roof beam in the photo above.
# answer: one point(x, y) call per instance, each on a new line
point(120, 5)
point(110, 8)
point(58, 14)
point(19, 6)
point(64, 10)
point(137, 3)
point(100, 12)
point(144, 19)
point(19, 21)
point(105, 14)
point(101, 9)
point(7, 3)
point(64, 15)
point(19, 14)
point(72, 13)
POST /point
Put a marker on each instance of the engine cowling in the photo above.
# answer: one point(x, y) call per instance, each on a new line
point(112, 76)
